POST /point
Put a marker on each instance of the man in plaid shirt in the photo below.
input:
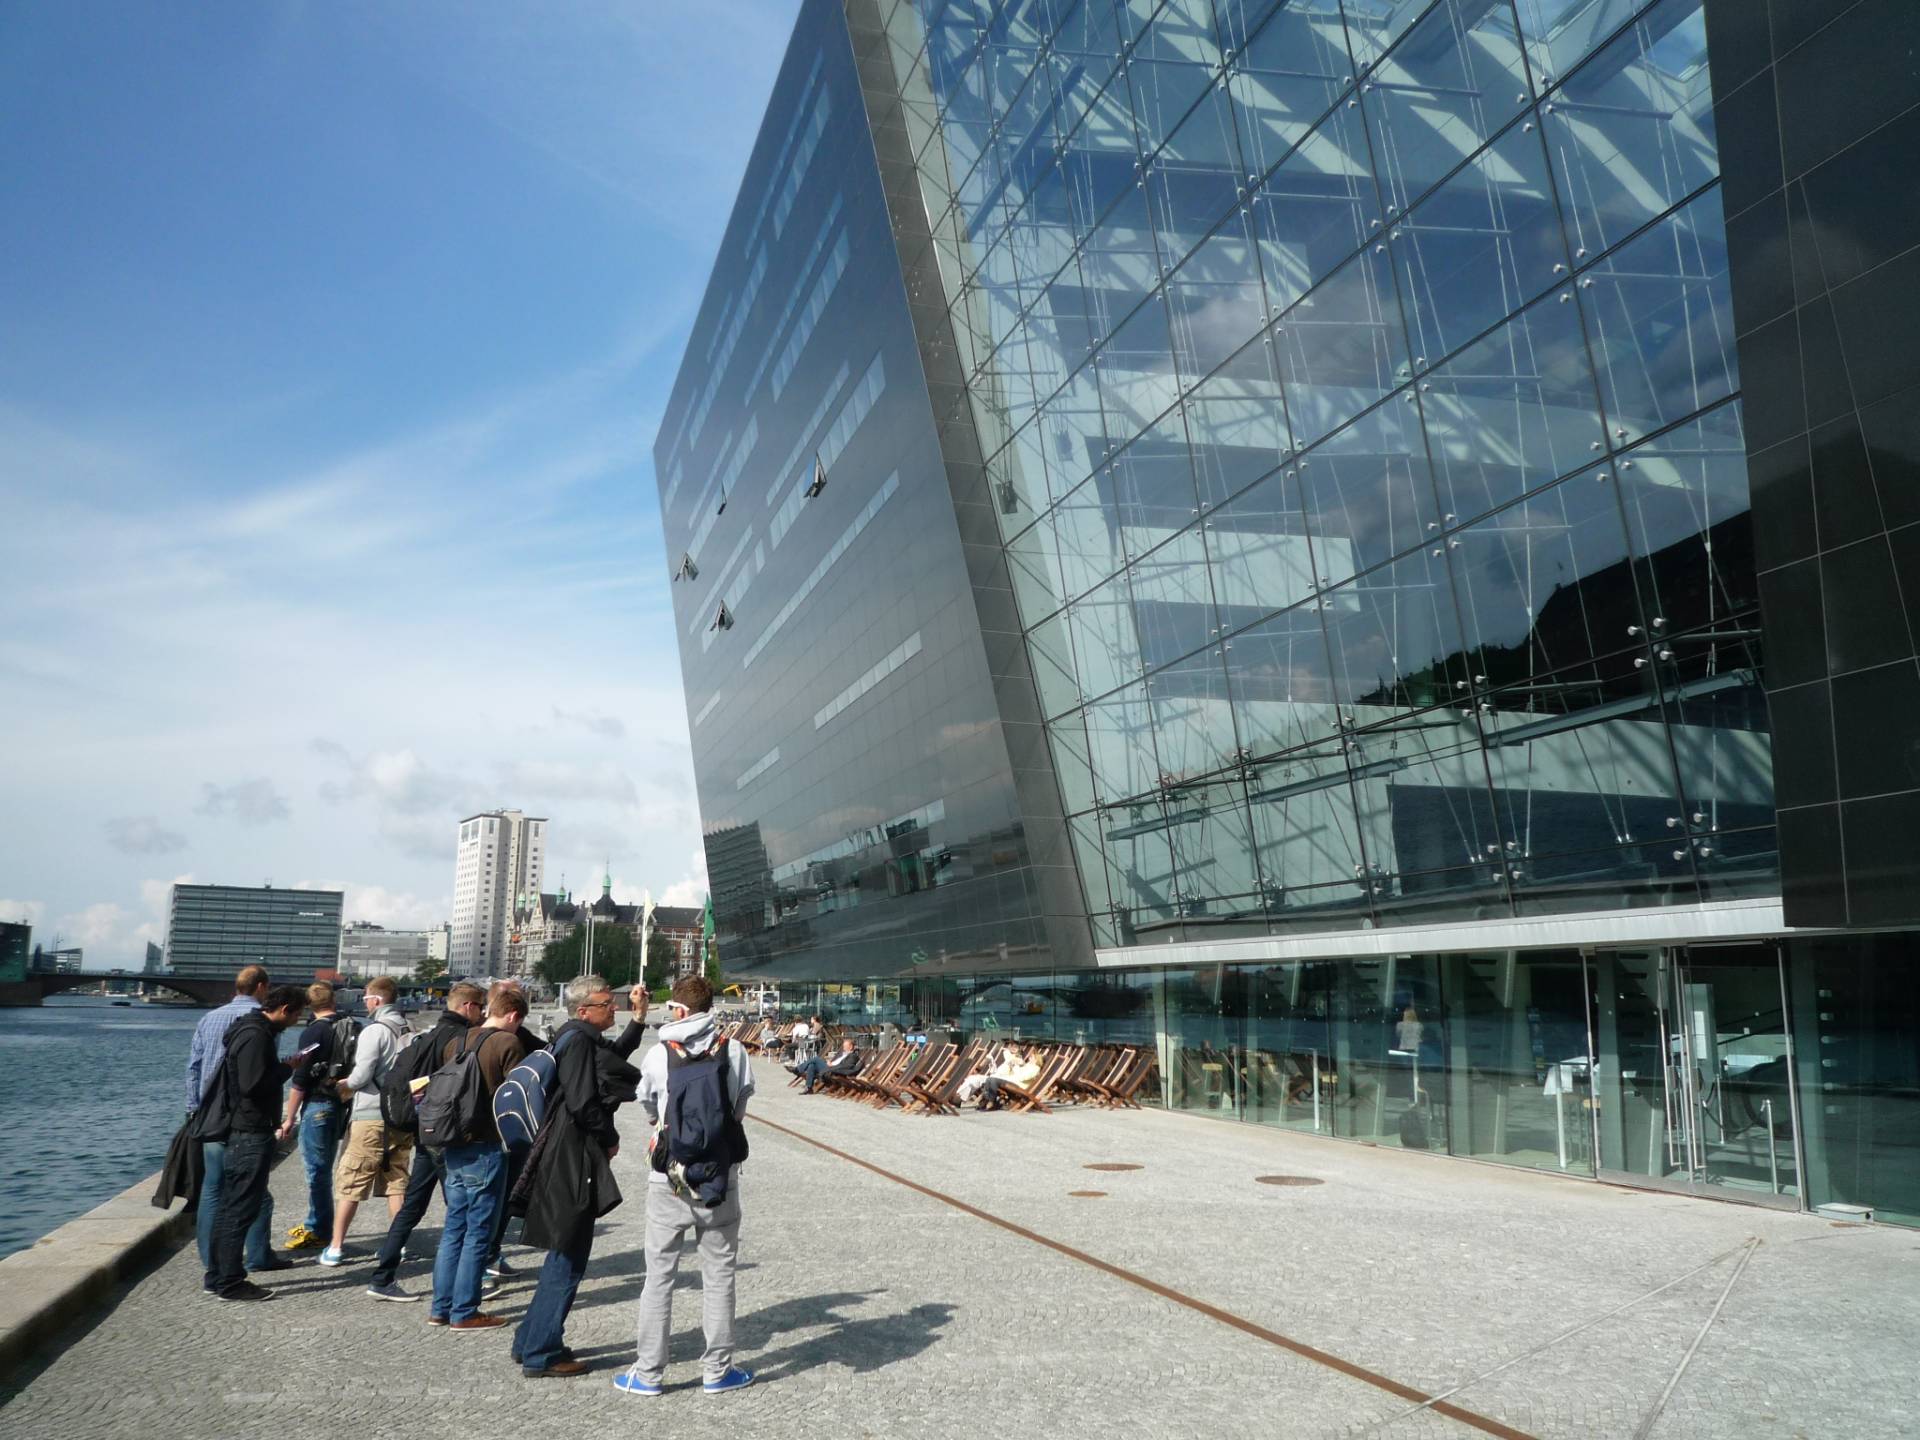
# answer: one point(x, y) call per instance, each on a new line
point(208, 1053)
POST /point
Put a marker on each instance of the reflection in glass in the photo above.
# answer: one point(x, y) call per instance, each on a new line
point(1521, 1058)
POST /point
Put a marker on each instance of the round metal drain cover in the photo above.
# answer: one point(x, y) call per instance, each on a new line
point(1087, 1194)
point(1288, 1180)
point(1112, 1166)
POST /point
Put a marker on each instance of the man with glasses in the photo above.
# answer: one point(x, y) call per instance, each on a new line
point(571, 1184)
point(466, 1005)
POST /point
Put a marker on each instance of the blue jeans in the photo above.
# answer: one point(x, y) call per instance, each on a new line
point(321, 1126)
point(259, 1243)
point(542, 1333)
point(516, 1162)
point(474, 1187)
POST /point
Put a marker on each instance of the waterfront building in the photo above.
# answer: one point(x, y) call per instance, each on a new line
point(68, 960)
point(367, 950)
point(16, 950)
point(498, 858)
point(213, 931)
point(1358, 542)
point(155, 962)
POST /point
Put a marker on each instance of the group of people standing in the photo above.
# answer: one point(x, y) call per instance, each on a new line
point(337, 1093)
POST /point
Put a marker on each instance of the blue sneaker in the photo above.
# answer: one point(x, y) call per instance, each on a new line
point(331, 1257)
point(734, 1379)
point(628, 1382)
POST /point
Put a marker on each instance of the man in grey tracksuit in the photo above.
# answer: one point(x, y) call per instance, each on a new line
point(670, 1215)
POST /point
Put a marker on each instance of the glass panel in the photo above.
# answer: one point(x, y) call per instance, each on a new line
point(1304, 827)
point(1285, 78)
point(1172, 601)
point(1120, 732)
point(1561, 33)
point(1390, 1062)
point(1212, 845)
point(1343, 347)
point(1237, 424)
point(1631, 132)
point(1436, 98)
point(1856, 1032)
point(1105, 642)
point(1290, 1044)
point(1660, 318)
point(1086, 527)
point(1072, 761)
point(1282, 689)
point(1072, 433)
point(1139, 865)
point(1539, 582)
point(1098, 1007)
point(1172, 67)
point(1191, 716)
point(1201, 1060)
point(1368, 492)
point(1119, 263)
point(1690, 517)
point(1393, 636)
point(1054, 675)
point(1137, 379)
point(1420, 789)
point(1521, 1059)
point(1316, 209)
point(1216, 300)
point(1479, 247)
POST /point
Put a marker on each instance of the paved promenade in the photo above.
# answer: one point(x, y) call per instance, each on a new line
point(1185, 1300)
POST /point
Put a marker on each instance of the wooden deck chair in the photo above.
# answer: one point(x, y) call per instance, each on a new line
point(939, 1097)
point(1026, 1101)
point(1101, 1064)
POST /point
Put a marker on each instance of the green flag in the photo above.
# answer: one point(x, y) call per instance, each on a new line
point(706, 921)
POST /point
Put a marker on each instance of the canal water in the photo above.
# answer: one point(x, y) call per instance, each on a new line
point(90, 1096)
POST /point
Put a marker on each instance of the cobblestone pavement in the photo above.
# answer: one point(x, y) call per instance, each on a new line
point(871, 1309)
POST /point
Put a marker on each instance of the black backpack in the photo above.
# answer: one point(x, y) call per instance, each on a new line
point(396, 1091)
point(455, 1098)
point(345, 1035)
point(704, 1139)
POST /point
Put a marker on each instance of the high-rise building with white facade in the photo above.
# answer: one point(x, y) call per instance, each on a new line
point(499, 858)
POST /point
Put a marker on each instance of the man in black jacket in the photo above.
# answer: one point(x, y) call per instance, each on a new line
point(592, 1079)
point(255, 1076)
point(466, 1004)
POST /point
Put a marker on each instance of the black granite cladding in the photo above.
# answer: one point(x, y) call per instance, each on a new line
point(1818, 112)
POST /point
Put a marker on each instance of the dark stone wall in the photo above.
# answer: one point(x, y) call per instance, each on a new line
point(1817, 105)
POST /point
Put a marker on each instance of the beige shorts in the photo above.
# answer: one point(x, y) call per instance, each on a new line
point(373, 1161)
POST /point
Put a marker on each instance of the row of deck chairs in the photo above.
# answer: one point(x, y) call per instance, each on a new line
point(926, 1079)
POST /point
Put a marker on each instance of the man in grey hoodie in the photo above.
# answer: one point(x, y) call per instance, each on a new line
point(374, 1159)
point(691, 1033)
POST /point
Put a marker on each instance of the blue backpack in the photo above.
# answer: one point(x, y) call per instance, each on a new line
point(520, 1104)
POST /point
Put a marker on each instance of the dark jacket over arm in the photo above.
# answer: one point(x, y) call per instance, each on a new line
point(255, 1073)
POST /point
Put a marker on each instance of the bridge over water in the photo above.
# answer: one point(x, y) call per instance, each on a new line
point(35, 988)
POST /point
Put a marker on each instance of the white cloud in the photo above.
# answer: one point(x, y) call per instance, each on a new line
point(604, 725)
point(30, 911)
point(251, 802)
point(143, 835)
point(692, 889)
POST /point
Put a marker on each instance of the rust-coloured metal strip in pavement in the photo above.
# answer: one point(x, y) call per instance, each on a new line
point(1483, 1423)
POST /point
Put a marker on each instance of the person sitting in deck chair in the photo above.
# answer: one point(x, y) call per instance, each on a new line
point(1015, 1067)
point(813, 1071)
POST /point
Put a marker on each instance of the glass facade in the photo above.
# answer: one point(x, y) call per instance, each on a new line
point(213, 931)
point(1358, 383)
point(1271, 577)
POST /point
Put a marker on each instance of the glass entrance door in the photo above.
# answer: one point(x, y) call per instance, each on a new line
point(1695, 1071)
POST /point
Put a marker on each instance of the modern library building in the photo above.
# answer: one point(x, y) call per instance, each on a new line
point(1366, 543)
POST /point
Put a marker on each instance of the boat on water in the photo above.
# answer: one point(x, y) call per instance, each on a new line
point(123, 1002)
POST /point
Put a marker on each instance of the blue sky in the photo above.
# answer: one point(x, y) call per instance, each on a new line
point(336, 338)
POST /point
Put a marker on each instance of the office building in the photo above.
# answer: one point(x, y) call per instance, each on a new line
point(155, 961)
point(367, 950)
point(214, 931)
point(497, 863)
point(16, 949)
point(1356, 541)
